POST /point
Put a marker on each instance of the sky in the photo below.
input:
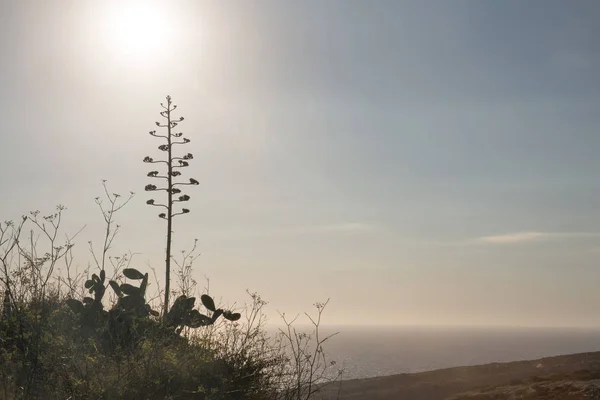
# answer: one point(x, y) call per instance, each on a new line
point(417, 162)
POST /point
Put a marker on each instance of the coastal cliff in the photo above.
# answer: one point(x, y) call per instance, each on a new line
point(568, 377)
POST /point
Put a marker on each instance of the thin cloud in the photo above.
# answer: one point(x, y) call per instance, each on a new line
point(518, 237)
point(527, 237)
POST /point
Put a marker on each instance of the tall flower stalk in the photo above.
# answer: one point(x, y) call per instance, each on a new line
point(174, 164)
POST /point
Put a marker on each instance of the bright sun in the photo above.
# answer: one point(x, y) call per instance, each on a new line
point(138, 29)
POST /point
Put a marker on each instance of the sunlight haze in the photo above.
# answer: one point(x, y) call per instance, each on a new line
point(418, 162)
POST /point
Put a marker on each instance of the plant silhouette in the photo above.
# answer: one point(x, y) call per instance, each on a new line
point(174, 164)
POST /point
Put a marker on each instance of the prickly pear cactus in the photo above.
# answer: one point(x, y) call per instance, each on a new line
point(182, 313)
point(129, 320)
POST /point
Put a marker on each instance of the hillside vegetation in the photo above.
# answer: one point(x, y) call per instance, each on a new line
point(108, 332)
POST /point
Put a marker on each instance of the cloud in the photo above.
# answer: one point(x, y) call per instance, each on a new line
point(533, 236)
point(518, 237)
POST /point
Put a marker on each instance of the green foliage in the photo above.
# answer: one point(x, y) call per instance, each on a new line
point(76, 349)
point(232, 316)
point(182, 313)
point(129, 321)
point(129, 289)
point(208, 302)
point(133, 273)
point(76, 306)
point(60, 364)
point(117, 289)
point(56, 348)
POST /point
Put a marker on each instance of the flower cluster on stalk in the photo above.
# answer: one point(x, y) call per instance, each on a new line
point(172, 162)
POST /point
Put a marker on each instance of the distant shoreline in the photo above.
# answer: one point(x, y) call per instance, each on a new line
point(568, 376)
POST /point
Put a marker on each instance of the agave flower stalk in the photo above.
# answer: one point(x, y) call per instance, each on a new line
point(173, 164)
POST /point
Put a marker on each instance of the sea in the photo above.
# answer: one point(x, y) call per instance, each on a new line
point(364, 352)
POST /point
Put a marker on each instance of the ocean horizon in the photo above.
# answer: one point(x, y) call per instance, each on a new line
point(370, 351)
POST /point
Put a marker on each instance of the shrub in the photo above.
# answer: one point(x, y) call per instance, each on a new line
point(61, 337)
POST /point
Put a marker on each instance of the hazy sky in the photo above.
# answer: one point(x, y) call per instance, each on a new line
point(419, 162)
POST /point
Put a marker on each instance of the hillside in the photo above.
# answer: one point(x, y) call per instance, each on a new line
point(568, 377)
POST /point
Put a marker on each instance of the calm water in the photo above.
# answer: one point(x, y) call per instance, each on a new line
point(368, 352)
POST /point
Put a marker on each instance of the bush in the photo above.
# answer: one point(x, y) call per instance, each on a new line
point(58, 343)
point(62, 338)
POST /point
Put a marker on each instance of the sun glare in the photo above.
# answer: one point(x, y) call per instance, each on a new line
point(138, 29)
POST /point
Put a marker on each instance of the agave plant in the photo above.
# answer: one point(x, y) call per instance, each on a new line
point(173, 164)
